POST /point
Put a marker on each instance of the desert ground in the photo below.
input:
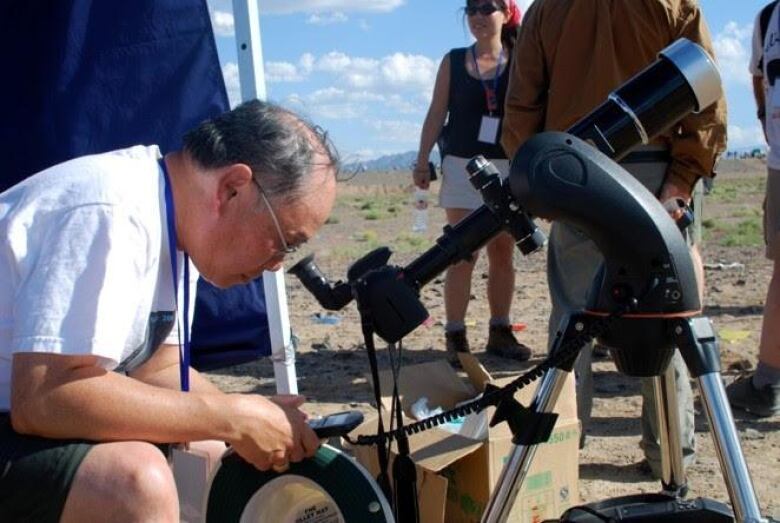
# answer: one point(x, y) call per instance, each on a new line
point(373, 209)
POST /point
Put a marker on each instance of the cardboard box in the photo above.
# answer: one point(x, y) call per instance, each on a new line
point(456, 474)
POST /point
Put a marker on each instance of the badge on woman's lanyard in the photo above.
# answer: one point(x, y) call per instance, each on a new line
point(488, 129)
point(170, 215)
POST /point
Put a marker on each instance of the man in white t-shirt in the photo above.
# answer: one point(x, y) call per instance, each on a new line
point(89, 373)
point(759, 393)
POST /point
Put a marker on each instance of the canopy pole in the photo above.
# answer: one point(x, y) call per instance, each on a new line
point(246, 15)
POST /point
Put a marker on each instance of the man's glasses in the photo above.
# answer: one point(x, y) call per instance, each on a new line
point(483, 9)
point(286, 248)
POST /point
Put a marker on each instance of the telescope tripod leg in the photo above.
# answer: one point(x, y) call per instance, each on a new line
point(699, 346)
point(670, 434)
point(521, 456)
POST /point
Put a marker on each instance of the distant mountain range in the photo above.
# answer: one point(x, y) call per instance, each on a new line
point(404, 161)
point(389, 162)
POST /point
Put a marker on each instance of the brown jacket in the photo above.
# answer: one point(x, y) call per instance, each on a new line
point(570, 54)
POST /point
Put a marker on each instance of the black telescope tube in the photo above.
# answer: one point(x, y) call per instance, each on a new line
point(457, 243)
point(682, 80)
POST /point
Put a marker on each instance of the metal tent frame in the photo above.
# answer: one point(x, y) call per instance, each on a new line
point(246, 15)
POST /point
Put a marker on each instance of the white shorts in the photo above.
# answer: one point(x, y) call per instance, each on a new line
point(456, 191)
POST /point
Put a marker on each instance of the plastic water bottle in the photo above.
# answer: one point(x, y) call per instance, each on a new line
point(420, 210)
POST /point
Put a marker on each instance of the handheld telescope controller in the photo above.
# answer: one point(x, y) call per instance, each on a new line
point(559, 176)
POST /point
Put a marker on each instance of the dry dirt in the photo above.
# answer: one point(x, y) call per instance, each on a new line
point(374, 210)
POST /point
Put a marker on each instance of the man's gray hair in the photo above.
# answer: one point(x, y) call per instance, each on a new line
point(279, 146)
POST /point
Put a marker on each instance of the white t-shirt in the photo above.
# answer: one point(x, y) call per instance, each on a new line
point(765, 59)
point(84, 259)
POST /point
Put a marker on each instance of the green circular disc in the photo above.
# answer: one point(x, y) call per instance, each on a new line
point(328, 488)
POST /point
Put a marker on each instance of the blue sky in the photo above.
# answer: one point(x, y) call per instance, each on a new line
point(364, 69)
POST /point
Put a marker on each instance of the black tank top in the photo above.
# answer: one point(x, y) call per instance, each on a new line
point(467, 106)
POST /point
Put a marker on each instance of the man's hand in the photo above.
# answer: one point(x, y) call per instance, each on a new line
point(272, 432)
point(673, 189)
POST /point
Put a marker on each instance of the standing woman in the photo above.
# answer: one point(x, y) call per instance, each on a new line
point(469, 95)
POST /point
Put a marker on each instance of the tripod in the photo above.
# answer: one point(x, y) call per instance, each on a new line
point(699, 347)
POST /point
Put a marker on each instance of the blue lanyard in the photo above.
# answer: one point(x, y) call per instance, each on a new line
point(170, 215)
point(491, 94)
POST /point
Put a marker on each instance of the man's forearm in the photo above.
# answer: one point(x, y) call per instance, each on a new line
point(163, 370)
point(88, 402)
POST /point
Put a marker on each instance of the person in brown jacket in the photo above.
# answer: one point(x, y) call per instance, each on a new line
point(569, 56)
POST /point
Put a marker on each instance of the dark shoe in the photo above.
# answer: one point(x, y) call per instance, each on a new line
point(763, 402)
point(501, 342)
point(456, 342)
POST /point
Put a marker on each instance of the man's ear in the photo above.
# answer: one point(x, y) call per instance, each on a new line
point(233, 180)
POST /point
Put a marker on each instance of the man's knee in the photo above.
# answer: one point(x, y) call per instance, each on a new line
point(131, 481)
point(144, 471)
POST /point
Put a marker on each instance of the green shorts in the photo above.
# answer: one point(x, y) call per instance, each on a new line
point(35, 474)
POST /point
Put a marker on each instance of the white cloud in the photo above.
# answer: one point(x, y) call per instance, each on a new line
point(396, 71)
point(306, 63)
point(388, 96)
point(398, 130)
point(222, 22)
point(336, 103)
point(330, 94)
point(356, 72)
point(320, 6)
point(333, 62)
point(232, 83)
point(732, 51)
point(360, 80)
point(412, 75)
point(410, 70)
point(400, 83)
point(740, 137)
point(343, 111)
point(406, 104)
point(336, 17)
point(276, 72)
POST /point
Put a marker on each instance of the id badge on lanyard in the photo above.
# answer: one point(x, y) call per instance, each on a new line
point(488, 128)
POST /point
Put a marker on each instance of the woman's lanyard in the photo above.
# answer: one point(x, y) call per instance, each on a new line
point(170, 214)
point(491, 93)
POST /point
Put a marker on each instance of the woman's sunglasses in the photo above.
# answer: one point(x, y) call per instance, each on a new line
point(483, 9)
